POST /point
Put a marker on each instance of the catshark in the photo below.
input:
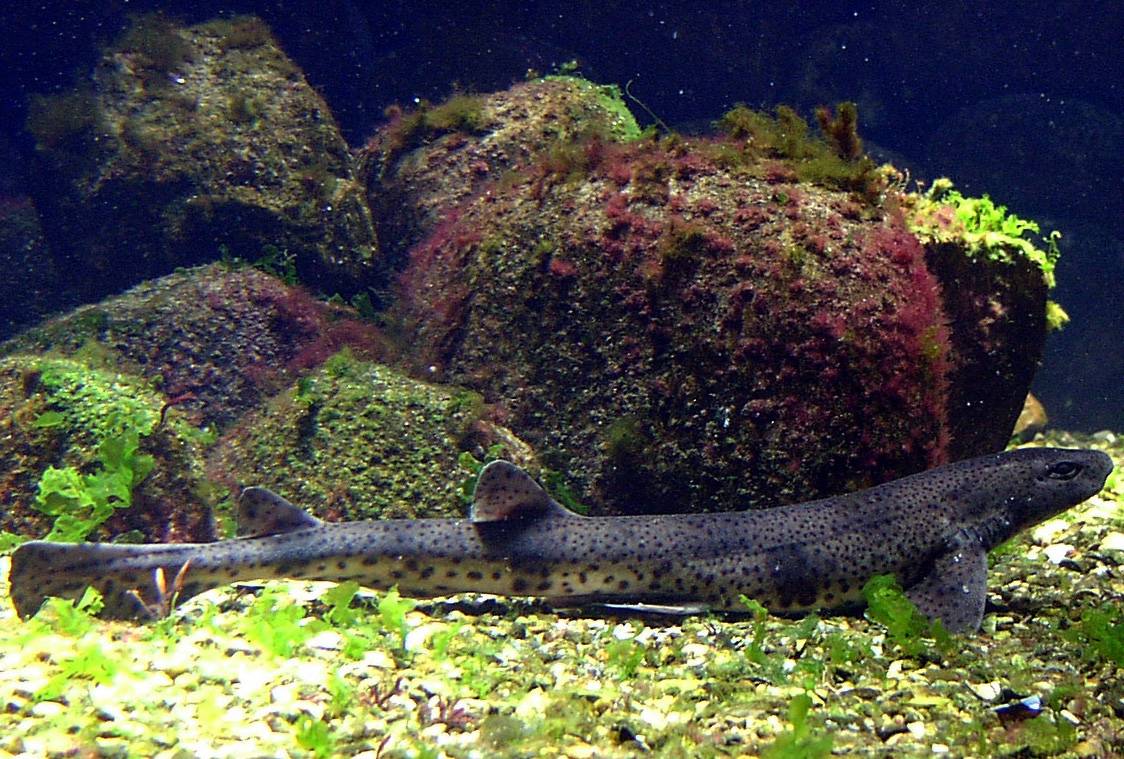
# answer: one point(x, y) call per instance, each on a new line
point(930, 530)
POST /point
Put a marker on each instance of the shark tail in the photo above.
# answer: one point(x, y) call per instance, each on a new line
point(134, 580)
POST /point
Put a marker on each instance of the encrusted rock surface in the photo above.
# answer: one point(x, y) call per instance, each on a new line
point(215, 340)
point(677, 333)
point(422, 164)
point(356, 440)
point(190, 141)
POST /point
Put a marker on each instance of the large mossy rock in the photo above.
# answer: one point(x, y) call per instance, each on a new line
point(215, 341)
point(357, 440)
point(707, 325)
point(192, 141)
point(179, 359)
point(57, 412)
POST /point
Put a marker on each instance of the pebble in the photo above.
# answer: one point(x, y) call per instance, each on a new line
point(1114, 541)
point(1057, 552)
point(986, 691)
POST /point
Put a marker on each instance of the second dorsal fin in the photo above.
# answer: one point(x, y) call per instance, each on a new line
point(263, 512)
point(504, 491)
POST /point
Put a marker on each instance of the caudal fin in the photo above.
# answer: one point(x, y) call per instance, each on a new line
point(133, 580)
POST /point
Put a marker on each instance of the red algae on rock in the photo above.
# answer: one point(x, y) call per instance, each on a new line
point(217, 341)
point(679, 331)
point(423, 163)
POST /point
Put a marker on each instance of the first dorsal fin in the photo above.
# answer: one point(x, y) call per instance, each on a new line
point(263, 512)
point(504, 491)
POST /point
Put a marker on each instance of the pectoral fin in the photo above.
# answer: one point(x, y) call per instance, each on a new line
point(955, 589)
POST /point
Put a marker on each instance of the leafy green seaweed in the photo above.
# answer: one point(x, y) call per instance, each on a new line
point(988, 229)
point(1100, 633)
point(82, 502)
point(799, 742)
point(888, 605)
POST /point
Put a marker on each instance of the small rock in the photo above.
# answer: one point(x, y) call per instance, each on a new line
point(1114, 541)
point(986, 691)
point(47, 709)
point(1045, 532)
point(1057, 552)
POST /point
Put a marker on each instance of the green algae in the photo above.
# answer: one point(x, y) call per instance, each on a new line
point(80, 503)
point(392, 443)
point(94, 404)
point(988, 229)
point(832, 159)
point(621, 123)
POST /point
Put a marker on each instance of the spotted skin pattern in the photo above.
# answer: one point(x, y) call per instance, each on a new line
point(931, 530)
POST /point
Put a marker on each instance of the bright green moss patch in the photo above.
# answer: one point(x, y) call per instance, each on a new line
point(93, 403)
point(989, 230)
point(623, 126)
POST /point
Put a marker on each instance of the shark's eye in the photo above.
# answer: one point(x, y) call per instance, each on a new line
point(1063, 470)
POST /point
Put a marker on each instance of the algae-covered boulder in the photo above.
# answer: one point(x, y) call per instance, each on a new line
point(423, 163)
point(215, 340)
point(189, 141)
point(707, 324)
point(994, 283)
point(84, 420)
point(356, 440)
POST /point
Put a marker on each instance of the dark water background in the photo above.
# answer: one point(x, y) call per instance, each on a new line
point(1021, 100)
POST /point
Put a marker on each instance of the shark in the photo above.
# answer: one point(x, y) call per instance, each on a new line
point(931, 530)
